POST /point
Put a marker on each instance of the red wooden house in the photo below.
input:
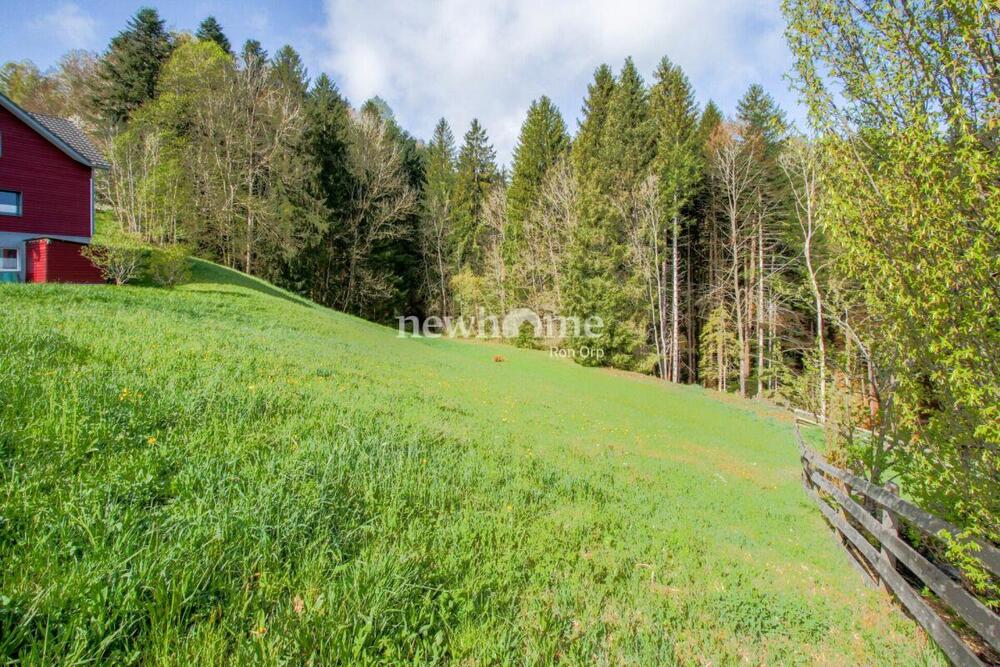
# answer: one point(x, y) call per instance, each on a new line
point(46, 198)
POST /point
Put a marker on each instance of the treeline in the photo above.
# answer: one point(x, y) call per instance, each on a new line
point(852, 272)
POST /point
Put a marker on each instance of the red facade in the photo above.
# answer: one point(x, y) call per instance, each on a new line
point(55, 189)
point(54, 261)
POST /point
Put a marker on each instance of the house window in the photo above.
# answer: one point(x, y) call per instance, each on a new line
point(10, 203)
point(9, 260)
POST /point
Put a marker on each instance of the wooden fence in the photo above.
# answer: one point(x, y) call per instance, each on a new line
point(867, 519)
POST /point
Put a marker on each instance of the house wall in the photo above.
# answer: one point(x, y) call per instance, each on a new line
point(53, 261)
point(55, 189)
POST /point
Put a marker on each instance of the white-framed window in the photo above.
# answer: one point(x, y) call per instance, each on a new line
point(10, 259)
point(10, 202)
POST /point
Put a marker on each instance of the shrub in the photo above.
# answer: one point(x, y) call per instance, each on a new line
point(525, 336)
point(169, 265)
point(119, 263)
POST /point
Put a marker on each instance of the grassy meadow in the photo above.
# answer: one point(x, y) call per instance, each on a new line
point(224, 473)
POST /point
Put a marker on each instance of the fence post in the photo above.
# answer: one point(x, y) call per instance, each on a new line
point(892, 526)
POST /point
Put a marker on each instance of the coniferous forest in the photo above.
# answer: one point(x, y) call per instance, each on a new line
point(849, 268)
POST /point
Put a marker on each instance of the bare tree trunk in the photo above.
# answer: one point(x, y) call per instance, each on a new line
point(720, 348)
point(249, 248)
point(691, 331)
point(675, 310)
point(666, 372)
point(740, 331)
point(760, 305)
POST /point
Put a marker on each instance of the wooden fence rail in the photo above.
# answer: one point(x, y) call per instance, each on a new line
point(850, 504)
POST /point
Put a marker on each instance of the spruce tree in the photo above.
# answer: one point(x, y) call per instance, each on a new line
point(710, 118)
point(319, 269)
point(763, 115)
point(128, 72)
point(586, 145)
point(438, 212)
point(289, 72)
point(477, 174)
point(210, 29)
point(628, 143)
point(678, 167)
point(542, 142)
point(441, 157)
point(614, 161)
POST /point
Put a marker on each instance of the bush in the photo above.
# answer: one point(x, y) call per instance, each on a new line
point(169, 265)
point(525, 336)
point(119, 263)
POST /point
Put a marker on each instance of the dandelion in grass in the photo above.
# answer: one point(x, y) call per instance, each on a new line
point(151, 440)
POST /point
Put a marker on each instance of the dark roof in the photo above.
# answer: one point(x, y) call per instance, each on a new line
point(72, 135)
point(60, 132)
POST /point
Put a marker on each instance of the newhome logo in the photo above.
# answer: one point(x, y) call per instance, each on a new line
point(491, 326)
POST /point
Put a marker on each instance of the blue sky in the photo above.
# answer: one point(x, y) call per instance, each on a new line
point(458, 58)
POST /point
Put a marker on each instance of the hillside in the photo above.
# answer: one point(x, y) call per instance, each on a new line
point(226, 473)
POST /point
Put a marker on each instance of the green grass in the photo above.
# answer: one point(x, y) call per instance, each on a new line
point(225, 473)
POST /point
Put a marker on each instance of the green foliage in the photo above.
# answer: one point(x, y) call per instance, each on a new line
point(253, 54)
point(913, 196)
point(169, 266)
point(236, 476)
point(130, 69)
point(438, 217)
point(601, 283)
point(719, 356)
point(25, 84)
point(119, 262)
point(679, 145)
point(525, 338)
point(211, 30)
point(759, 111)
point(542, 142)
point(319, 269)
point(476, 175)
point(587, 143)
point(289, 72)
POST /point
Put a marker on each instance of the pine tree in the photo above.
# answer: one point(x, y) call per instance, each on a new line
point(129, 71)
point(477, 174)
point(210, 29)
point(678, 168)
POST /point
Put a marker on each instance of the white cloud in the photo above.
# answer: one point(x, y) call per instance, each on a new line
point(69, 26)
point(489, 58)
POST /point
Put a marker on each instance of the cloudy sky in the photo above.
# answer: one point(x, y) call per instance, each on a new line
point(459, 58)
